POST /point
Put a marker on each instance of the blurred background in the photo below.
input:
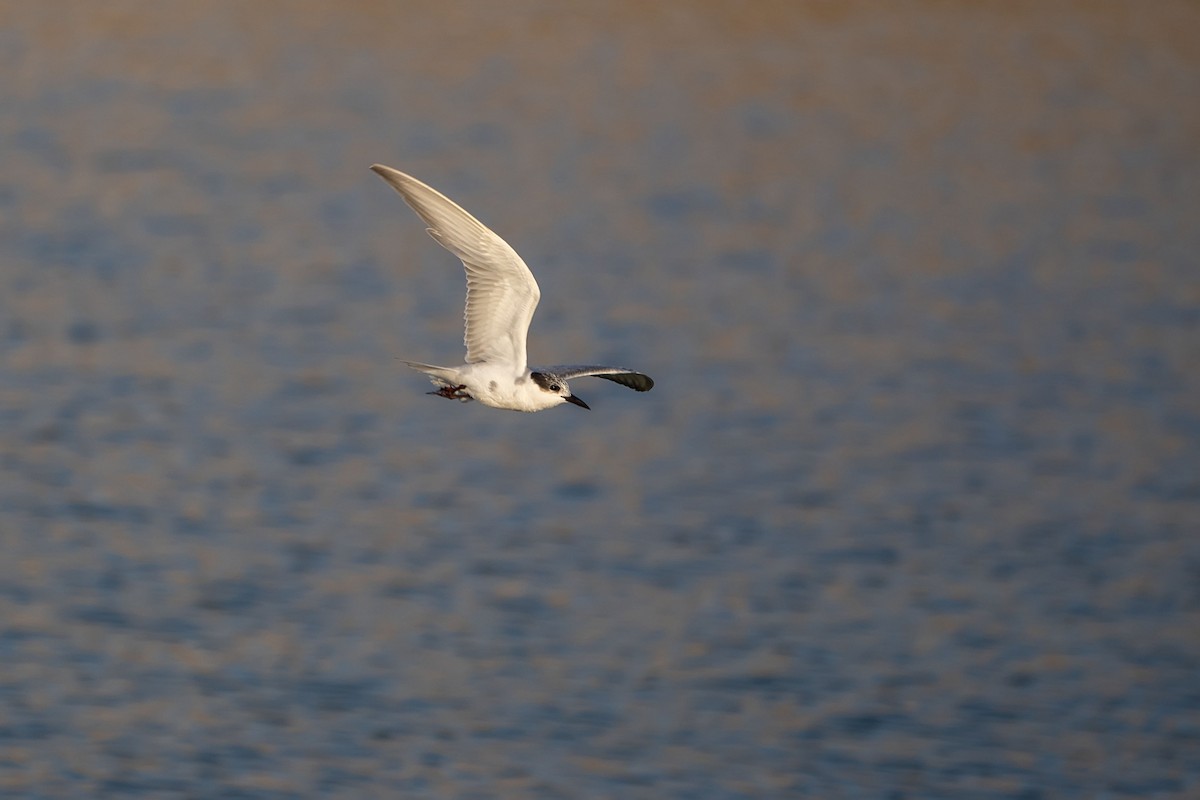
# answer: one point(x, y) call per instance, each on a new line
point(911, 513)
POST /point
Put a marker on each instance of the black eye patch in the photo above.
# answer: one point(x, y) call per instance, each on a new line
point(545, 381)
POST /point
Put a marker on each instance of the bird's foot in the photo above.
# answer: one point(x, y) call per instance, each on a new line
point(453, 393)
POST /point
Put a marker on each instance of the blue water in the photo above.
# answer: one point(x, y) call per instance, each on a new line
point(910, 512)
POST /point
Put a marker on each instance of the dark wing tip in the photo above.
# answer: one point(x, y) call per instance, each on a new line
point(634, 380)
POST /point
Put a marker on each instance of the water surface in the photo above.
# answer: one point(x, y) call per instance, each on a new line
point(911, 511)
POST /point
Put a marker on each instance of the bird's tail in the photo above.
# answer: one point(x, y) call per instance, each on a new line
point(439, 376)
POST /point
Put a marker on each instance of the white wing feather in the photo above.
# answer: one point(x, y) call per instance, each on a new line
point(501, 291)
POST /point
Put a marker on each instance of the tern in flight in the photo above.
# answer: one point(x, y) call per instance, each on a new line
point(501, 297)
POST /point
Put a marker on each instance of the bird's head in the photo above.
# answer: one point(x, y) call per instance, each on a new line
point(554, 385)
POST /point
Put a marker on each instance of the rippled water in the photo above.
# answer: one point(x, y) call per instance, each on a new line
point(911, 512)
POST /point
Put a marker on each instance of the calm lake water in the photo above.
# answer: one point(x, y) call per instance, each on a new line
point(912, 511)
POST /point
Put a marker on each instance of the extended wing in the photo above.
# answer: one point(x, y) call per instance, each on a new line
point(501, 291)
point(626, 377)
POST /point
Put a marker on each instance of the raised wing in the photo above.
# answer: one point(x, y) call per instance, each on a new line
point(626, 377)
point(501, 291)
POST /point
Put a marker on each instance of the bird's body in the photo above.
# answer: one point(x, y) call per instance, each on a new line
point(502, 295)
point(495, 385)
